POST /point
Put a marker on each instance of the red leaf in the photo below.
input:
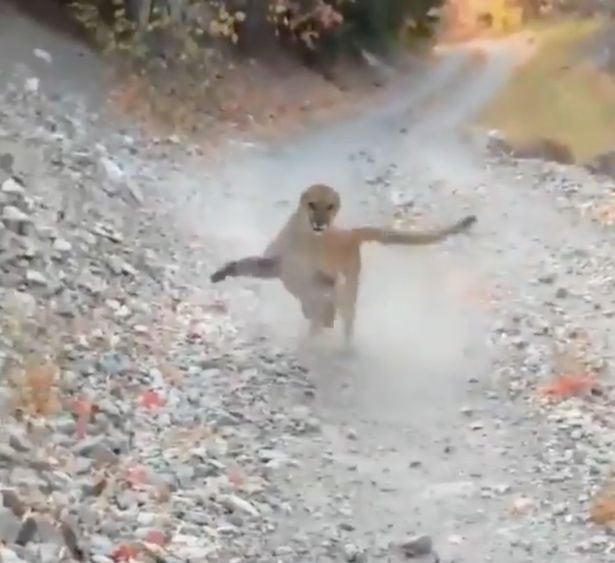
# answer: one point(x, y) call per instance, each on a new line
point(568, 385)
point(156, 537)
point(125, 552)
point(150, 399)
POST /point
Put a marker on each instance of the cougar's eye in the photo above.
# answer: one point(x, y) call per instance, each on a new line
point(330, 207)
point(312, 205)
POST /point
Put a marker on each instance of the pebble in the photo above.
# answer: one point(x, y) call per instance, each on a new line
point(353, 553)
point(9, 525)
point(36, 278)
point(233, 503)
point(63, 246)
point(19, 443)
point(416, 546)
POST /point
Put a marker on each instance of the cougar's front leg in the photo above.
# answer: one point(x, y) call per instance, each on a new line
point(347, 296)
point(251, 266)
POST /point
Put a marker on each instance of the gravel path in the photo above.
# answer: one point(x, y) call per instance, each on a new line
point(175, 421)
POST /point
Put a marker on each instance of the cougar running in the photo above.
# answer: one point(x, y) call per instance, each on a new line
point(319, 264)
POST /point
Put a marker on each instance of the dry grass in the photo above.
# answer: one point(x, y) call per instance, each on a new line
point(552, 96)
point(35, 388)
point(602, 505)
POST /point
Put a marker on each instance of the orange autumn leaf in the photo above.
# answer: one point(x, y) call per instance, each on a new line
point(568, 385)
point(150, 399)
point(602, 510)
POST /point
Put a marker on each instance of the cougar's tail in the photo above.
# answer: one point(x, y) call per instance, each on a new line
point(389, 236)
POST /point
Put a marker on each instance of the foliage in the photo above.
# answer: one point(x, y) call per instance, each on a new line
point(177, 30)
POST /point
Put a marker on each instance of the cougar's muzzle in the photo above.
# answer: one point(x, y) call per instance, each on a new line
point(318, 222)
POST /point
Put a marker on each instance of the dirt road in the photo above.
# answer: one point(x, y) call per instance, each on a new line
point(428, 427)
point(418, 433)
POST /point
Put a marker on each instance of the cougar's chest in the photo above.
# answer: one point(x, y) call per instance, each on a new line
point(299, 266)
point(301, 263)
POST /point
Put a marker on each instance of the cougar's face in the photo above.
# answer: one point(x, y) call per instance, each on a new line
point(320, 204)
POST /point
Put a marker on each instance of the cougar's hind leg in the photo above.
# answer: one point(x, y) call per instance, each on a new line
point(347, 297)
point(329, 310)
point(311, 315)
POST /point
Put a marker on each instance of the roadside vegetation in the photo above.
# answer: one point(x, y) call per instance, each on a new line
point(184, 30)
point(559, 93)
point(183, 64)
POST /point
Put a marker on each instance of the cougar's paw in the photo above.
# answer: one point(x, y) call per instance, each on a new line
point(468, 221)
point(222, 273)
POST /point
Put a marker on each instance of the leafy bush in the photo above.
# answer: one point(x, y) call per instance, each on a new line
point(141, 26)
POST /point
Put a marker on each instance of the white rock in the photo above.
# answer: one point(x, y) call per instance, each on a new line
point(20, 302)
point(112, 170)
point(31, 84)
point(35, 278)
point(523, 505)
point(43, 55)
point(233, 502)
point(62, 245)
point(14, 215)
point(10, 186)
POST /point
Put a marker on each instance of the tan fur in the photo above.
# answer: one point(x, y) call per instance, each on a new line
point(320, 264)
